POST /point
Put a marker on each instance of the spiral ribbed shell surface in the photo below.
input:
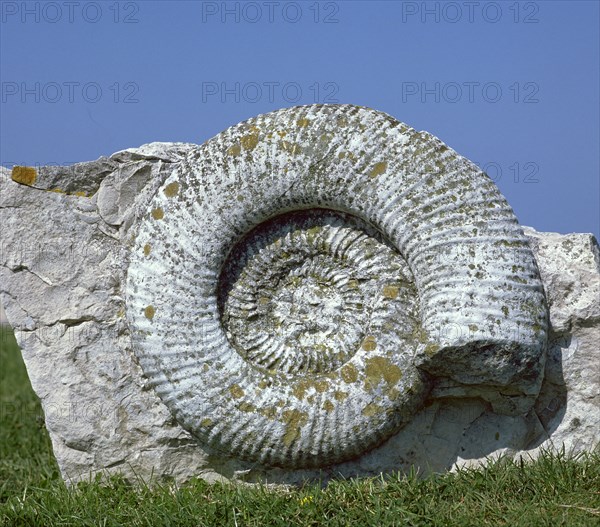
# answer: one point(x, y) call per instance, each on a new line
point(300, 279)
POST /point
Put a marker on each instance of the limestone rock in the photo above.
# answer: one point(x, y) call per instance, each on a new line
point(569, 403)
point(81, 268)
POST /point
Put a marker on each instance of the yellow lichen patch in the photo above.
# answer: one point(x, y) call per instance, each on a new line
point(206, 367)
point(80, 194)
point(393, 394)
point(299, 389)
point(149, 312)
point(249, 141)
point(206, 422)
point(339, 395)
point(390, 291)
point(303, 123)
point(312, 233)
point(24, 175)
point(294, 420)
point(369, 344)
point(158, 213)
point(328, 406)
point(263, 300)
point(290, 148)
point(57, 190)
point(263, 384)
point(291, 434)
point(281, 133)
point(234, 150)
point(420, 335)
point(347, 155)
point(431, 349)
point(353, 284)
point(269, 412)
point(349, 373)
point(326, 137)
point(321, 386)
point(372, 409)
point(147, 249)
point(172, 189)
point(235, 391)
point(380, 369)
point(303, 385)
point(378, 169)
point(247, 407)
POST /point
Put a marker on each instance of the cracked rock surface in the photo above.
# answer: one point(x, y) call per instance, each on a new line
point(66, 237)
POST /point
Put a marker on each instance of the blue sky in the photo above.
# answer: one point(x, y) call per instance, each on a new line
point(511, 85)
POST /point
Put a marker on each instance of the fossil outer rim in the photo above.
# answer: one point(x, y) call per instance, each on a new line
point(481, 302)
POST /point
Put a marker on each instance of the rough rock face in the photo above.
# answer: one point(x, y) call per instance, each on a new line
point(323, 363)
point(569, 403)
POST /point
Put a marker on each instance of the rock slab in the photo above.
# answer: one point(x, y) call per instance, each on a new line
point(66, 237)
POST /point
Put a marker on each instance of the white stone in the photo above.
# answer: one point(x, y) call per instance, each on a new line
point(63, 271)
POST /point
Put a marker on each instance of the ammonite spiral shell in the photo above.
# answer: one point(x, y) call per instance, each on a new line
point(297, 283)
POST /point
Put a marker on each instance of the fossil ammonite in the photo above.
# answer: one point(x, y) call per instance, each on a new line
point(296, 284)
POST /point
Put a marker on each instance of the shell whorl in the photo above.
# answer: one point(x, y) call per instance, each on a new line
point(304, 291)
point(286, 292)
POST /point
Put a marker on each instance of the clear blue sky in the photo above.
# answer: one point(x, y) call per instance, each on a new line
point(512, 86)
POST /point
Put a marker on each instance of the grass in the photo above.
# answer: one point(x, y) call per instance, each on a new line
point(555, 490)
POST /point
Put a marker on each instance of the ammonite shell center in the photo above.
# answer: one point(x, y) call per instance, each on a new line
point(303, 291)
